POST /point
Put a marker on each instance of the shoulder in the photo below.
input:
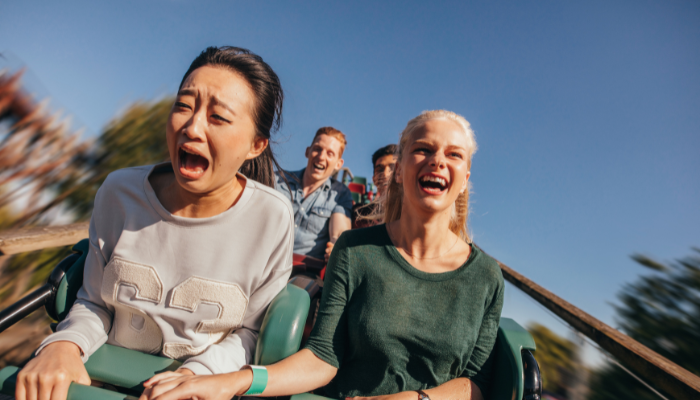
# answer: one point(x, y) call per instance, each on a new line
point(280, 175)
point(341, 189)
point(126, 180)
point(270, 200)
point(487, 267)
point(356, 239)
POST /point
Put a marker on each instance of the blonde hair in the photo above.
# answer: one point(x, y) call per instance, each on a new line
point(389, 208)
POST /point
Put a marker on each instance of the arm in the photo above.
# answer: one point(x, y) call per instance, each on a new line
point(284, 378)
point(338, 224)
point(340, 220)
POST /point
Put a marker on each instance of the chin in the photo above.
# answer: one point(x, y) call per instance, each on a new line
point(195, 186)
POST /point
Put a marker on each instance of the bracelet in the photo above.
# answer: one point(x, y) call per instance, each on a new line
point(259, 381)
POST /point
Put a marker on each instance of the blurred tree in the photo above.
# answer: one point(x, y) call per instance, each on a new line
point(557, 358)
point(135, 138)
point(661, 311)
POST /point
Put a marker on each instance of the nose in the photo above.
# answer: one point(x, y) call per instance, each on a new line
point(195, 127)
point(437, 160)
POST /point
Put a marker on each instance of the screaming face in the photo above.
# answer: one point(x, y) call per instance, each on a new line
point(211, 131)
point(434, 168)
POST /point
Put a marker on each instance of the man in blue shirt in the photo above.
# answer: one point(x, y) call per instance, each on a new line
point(322, 206)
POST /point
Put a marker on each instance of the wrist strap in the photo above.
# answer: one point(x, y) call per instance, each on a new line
point(259, 381)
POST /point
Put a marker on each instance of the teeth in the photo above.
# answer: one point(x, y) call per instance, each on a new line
point(428, 178)
point(319, 166)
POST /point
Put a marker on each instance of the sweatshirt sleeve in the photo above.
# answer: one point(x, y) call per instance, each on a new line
point(238, 348)
point(89, 319)
point(479, 367)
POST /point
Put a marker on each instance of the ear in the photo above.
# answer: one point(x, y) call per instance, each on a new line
point(339, 164)
point(306, 152)
point(465, 185)
point(257, 147)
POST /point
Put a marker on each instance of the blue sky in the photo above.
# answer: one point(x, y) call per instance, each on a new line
point(587, 114)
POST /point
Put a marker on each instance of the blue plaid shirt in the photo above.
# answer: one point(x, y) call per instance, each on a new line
point(312, 214)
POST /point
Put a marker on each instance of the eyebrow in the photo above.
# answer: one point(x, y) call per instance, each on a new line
point(214, 99)
point(427, 143)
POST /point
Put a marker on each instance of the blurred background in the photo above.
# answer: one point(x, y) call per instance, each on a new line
point(587, 118)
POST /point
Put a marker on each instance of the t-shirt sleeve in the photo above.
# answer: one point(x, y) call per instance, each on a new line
point(479, 366)
point(344, 202)
point(329, 336)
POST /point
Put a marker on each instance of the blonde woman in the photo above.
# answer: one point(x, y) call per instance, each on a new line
point(410, 308)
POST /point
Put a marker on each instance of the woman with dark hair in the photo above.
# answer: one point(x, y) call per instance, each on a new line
point(185, 256)
point(410, 308)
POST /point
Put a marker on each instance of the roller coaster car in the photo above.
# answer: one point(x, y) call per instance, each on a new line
point(123, 371)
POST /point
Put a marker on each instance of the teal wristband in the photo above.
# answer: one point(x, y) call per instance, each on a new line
point(259, 381)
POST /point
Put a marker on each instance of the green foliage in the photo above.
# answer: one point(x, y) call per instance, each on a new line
point(556, 357)
point(661, 311)
point(28, 270)
point(135, 138)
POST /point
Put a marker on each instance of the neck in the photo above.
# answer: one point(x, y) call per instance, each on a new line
point(422, 235)
point(309, 183)
point(182, 203)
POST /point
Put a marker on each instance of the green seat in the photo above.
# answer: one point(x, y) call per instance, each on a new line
point(356, 197)
point(280, 336)
point(360, 180)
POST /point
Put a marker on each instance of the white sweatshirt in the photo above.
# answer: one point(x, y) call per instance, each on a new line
point(192, 289)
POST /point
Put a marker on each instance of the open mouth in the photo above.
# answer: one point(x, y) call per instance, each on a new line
point(192, 165)
point(319, 167)
point(433, 184)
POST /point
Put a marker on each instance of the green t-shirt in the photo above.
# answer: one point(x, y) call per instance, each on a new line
point(389, 327)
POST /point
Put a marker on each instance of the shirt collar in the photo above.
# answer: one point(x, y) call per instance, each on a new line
point(300, 175)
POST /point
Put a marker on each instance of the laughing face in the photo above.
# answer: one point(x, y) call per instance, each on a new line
point(324, 157)
point(434, 168)
point(211, 131)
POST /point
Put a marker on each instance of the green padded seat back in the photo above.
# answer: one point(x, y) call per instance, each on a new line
point(70, 284)
point(283, 326)
point(356, 197)
point(508, 379)
point(360, 180)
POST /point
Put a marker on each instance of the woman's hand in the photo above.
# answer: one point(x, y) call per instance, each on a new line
point(49, 375)
point(174, 386)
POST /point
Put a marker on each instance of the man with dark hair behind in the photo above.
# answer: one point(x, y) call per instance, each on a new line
point(322, 206)
point(383, 162)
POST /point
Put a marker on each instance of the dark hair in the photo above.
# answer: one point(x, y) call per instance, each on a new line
point(384, 151)
point(267, 110)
